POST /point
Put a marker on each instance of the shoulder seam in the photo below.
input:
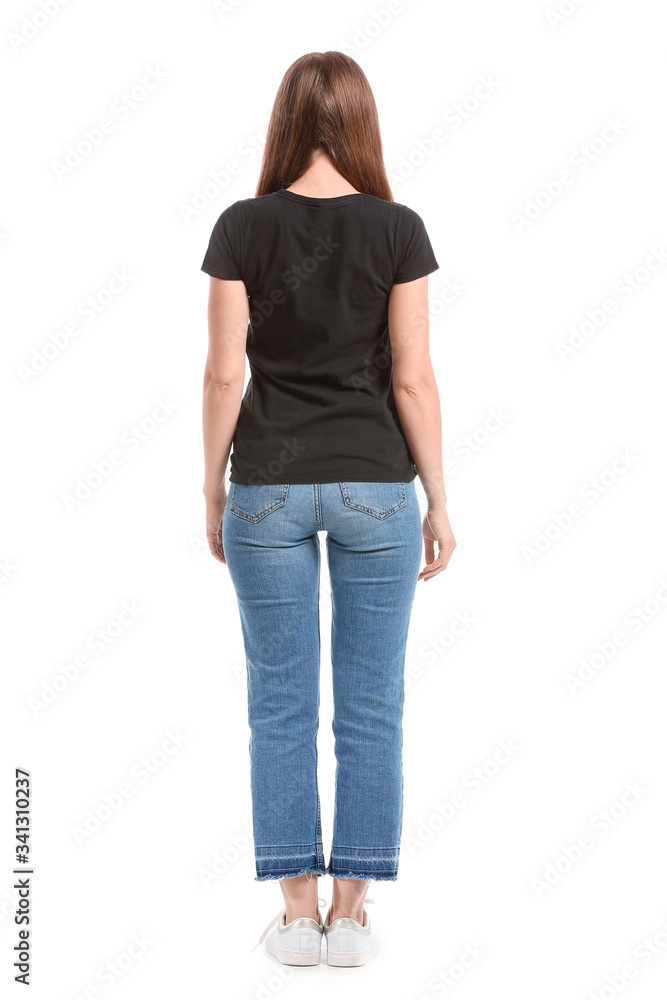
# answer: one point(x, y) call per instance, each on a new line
point(239, 240)
point(400, 219)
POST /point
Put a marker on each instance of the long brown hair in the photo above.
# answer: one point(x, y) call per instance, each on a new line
point(324, 102)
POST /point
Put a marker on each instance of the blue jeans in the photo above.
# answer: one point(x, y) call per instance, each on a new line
point(272, 549)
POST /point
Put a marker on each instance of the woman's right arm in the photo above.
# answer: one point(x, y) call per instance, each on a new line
point(418, 406)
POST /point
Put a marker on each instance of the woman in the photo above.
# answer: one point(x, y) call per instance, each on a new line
point(322, 279)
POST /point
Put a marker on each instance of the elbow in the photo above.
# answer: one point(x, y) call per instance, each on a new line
point(220, 382)
point(411, 389)
point(405, 389)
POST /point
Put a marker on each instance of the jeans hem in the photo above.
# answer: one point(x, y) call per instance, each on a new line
point(264, 876)
point(374, 876)
point(383, 869)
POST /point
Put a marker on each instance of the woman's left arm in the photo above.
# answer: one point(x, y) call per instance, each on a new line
point(224, 375)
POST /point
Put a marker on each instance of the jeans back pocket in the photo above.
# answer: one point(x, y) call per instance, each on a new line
point(377, 499)
point(255, 502)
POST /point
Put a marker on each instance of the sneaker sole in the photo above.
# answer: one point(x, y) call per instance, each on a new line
point(294, 957)
point(349, 959)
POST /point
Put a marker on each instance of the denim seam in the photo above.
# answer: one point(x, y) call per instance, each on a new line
point(358, 847)
point(280, 847)
point(317, 499)
point(286, 857)
point(318, 828)
point(360, 857)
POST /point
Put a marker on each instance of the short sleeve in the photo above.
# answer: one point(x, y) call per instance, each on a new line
point(222, 258)
point(414, 253)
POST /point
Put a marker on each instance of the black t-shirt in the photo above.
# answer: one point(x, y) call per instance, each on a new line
point(319, 406)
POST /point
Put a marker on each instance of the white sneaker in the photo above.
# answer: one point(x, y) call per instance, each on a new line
point(296, 943)
point(350, 943)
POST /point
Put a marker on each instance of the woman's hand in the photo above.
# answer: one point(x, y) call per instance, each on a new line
point(436, 528)
point(215, 508)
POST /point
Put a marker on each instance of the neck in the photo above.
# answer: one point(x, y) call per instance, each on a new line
point(322, 180)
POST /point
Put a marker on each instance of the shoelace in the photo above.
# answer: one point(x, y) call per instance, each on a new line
point(320, 902)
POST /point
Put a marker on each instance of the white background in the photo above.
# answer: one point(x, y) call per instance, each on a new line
point(493, 876)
